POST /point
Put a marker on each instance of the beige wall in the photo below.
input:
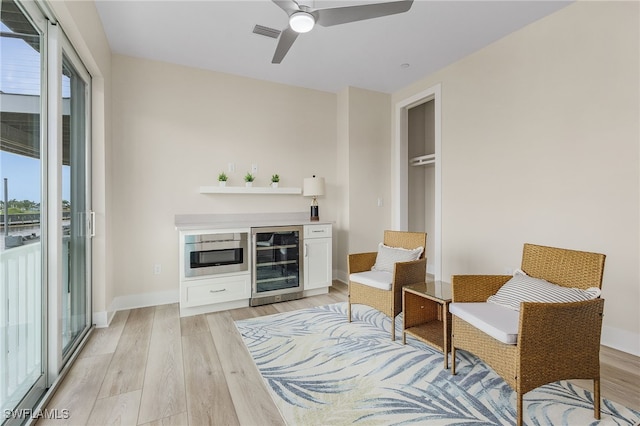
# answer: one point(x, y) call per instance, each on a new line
point(540, 138)
point(364, 123)
point(369, 130)
point(540, 144)
point(175, 128)
point(82, 25)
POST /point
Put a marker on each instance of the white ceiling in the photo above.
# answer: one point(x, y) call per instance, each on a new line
point(217, 35)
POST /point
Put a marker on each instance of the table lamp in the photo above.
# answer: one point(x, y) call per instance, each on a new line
point(313, 187)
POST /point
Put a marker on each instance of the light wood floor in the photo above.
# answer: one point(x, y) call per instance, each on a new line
point(152, 367)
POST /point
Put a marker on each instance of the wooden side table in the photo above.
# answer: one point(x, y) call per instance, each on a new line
point(426, 316)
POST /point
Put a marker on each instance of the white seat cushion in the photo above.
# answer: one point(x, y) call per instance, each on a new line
point(377, 279)
point(497, 321)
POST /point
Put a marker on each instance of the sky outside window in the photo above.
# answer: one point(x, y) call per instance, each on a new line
point(20, 75)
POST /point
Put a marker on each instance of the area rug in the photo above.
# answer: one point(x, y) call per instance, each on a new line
point(322, 370)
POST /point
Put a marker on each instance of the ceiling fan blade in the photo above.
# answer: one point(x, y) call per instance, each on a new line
point(288, 6)
point(287, 37)
point(342, 15)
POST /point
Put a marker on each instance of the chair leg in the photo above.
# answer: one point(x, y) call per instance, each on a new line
point(393, 329)
point(349, 310)
point(519, 409)
point(453, 360)
point(596, 399)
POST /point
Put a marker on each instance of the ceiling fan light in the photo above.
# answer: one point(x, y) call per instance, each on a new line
point(301, 22)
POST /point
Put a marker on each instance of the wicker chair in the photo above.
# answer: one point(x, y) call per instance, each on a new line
point(555, 341)
point(388, 302)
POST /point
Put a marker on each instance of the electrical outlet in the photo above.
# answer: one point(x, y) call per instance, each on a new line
point(232, 167)
point(380, 202)
point(254, 169)
point(157, 269)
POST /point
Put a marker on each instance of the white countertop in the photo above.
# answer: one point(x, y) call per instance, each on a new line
point(186, 222)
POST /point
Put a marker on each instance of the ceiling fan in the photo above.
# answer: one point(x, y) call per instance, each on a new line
point(303, 18)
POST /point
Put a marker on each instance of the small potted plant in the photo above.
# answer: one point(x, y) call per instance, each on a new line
point(222, 179)
point(274, 180)
point(248, 179)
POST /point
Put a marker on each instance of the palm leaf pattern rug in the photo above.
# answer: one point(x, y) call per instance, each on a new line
point(322, 370)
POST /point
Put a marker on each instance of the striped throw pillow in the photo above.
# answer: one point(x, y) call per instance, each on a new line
point(523, 288)
point(388, 256)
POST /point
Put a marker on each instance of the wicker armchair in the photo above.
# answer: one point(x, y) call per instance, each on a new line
point(555, 341)
point(388, 302)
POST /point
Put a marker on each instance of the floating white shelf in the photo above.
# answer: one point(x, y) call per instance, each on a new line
point(423, 160)
point(248, 190)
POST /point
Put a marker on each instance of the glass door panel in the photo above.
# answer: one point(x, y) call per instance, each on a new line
point(277, 260)
point(75, 205)
point(21, 169)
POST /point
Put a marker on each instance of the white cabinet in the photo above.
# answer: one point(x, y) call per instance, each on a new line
point(317, 257)
point(211, 291)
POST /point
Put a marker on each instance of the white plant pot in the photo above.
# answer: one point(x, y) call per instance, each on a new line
point(274, 184)
point(222, 182)
point(248, 184)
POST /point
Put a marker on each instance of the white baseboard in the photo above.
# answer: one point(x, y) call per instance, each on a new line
point(145, 299)
point(205, 309)
point(615, 338)
point(622, 340)
point(315, 292)
point(102, 319)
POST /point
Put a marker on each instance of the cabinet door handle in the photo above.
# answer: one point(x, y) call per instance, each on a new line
point(305, 250)
point(217, 291)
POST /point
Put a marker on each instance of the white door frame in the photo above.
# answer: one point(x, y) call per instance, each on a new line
point(400, 177)
point(57, 45)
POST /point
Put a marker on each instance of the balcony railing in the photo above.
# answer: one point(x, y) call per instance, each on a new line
point(20, 219)
point(21, 319)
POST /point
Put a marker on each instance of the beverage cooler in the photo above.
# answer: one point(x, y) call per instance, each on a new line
point(277, 264)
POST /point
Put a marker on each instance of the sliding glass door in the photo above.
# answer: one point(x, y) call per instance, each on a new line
point(75, 201)
point(22, 165)
point(45, 249)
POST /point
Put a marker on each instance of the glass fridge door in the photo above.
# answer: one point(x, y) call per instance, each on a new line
point(277, 260)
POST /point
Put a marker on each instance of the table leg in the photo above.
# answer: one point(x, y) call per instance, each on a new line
point(445, 325)
point(404, 320)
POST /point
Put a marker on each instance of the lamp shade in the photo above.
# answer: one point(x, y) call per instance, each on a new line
point(313, 187)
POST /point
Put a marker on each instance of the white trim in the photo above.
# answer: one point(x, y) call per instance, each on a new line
point(142, 300)
point(315, 291)
point(622, 340)
point(217, 307)
point(82, 218)
point(341, 276)
point(103, 319)
point(616, 338)
point(400, 178)
point(400, 156)
point(437, 267)
point(54, 207)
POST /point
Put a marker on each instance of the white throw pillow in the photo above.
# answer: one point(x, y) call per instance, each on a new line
point(523, 288)
point(388, 256)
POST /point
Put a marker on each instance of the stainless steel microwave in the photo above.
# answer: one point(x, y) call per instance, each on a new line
point(214, 254)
